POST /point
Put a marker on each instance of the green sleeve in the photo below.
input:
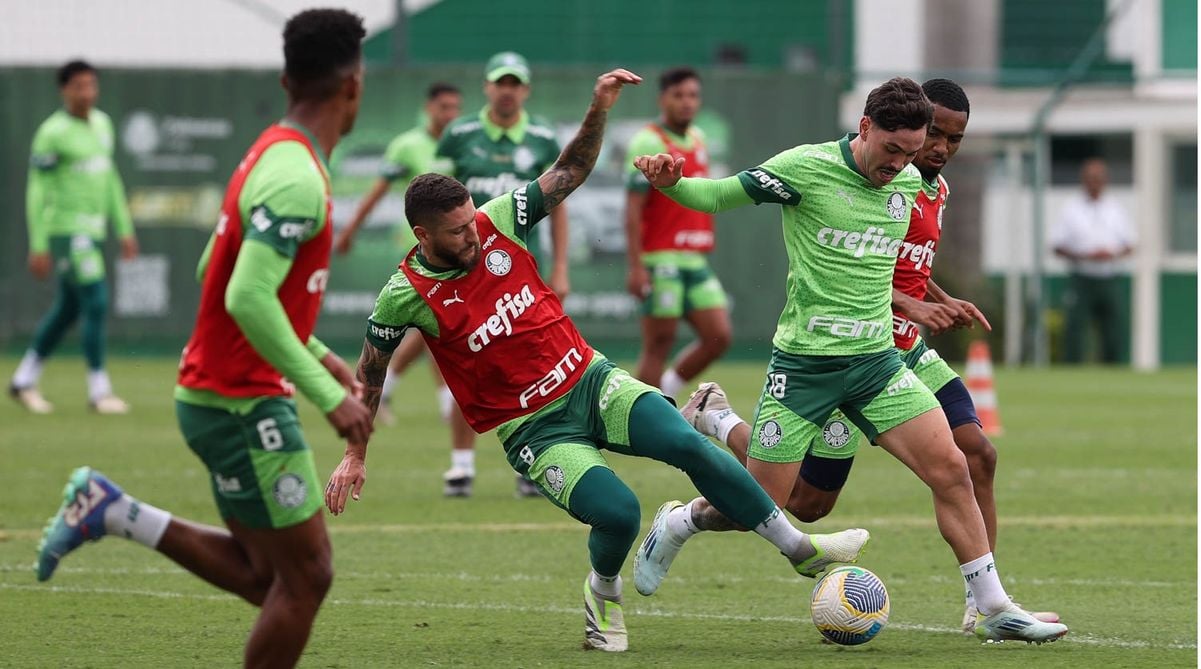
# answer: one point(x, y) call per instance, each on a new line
point(317, 347)
point(775, 181)
point(118, 210)
point(515, 214)
point(392, 315)
point(709, 195)
point(252, 301)
point(205, 256)
point(42, 163)
point(283, 199)
point(396, 164)
point(644, 143)
point(444, 155)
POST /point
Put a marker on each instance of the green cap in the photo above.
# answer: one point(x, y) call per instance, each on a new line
point(507, 62)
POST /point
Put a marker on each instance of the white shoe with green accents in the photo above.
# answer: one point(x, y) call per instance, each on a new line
point(839, 548)
point(604, 622)
point(658, 550)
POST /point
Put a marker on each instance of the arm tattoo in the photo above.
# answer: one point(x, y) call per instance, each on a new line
point(372, 369)
point(576, 162)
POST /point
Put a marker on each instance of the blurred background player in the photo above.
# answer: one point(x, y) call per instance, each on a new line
point(517, 364)
point(667, 245)
point(493, 152)
point(916, 300)
point(74, 192)
point(1094, 234)
point(846, 210)
point(409, 154)
point(258, 307)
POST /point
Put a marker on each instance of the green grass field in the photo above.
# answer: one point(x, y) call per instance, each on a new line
point(1097, 491)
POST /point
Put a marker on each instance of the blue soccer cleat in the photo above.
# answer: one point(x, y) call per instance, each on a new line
point(80, 518)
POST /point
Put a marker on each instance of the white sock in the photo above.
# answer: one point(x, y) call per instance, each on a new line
point(29, 371)
point(446, 402)
point(679, 522)
point(129, 518)
point(389, 385)
point(463, 458)
point(783, 535)
point(984, 584)
point(608, 587)
point(671, 383)
point(98, 384)
point(725, 422)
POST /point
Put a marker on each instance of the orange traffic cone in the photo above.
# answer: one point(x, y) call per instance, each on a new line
point(978, 379)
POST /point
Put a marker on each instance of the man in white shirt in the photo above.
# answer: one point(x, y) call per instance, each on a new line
point(1093, 234)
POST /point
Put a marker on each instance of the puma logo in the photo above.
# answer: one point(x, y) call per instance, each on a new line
point(846, 196)
point(451, 300)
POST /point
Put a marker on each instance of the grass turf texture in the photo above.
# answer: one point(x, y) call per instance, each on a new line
point(1096, 488)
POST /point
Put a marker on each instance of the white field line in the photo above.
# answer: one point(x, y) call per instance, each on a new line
point(564, 610)
point(517, 577)
point(874, 523)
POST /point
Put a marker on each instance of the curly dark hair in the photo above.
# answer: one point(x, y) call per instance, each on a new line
point(948, 94)
point(429, 195)
point(68, 71)
point(676, 75)
point(899, 103)
point(319, 46)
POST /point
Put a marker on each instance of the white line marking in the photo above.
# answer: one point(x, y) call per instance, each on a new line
point(557, 610)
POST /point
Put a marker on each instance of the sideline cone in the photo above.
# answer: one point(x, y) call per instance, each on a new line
point(979, 382)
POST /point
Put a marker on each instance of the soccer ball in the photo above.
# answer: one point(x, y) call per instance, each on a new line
point(849, 605)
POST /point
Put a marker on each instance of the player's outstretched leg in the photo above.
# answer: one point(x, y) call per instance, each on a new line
point(656, 431)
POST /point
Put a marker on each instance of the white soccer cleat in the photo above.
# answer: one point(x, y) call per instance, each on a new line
point(658, 550)
point(31, 399)
point(708, 397)
point(604, 622)
point(456, 482)
point(843, 547)
point(1014, 624)
point(110, 405)
point(970, 614)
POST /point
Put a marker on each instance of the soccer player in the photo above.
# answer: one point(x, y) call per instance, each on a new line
point(409, 154)
point(74, 190)
point(846, 212)
point(499, 149)
point(667, 244)
point(827, 463)
point(517, 364)
point(264, 273)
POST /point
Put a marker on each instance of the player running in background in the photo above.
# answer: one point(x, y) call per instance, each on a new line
point(517, 364)
point(828, 461)
point(409, 154)
point(667, 245)
point(501, 148)
point(846, 212)
point(74, 190)
point(263, 274)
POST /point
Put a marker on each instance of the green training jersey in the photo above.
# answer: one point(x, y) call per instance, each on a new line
point(491, 160)
point(408, 155)
point(74, 188)
point(400, 307)
point(842, 236)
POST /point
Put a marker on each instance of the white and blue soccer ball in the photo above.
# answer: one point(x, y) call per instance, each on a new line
point(849, 605)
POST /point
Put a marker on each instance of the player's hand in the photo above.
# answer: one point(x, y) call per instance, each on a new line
point(352, 420)
point(971, 314)
point(338, 368)
point(937, 317)
point(343, 241)
point(346, 481)
point(638, 281)
point(39, 265)
point(608, 87)
point(129, 248)
point(560, 282)
point(661, 170)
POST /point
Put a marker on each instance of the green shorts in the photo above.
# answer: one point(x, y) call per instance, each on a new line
point(563, 440)
point(78, 259)
point(262, 470)
point(841, 439)
point(680, 283)
point(875, 392)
